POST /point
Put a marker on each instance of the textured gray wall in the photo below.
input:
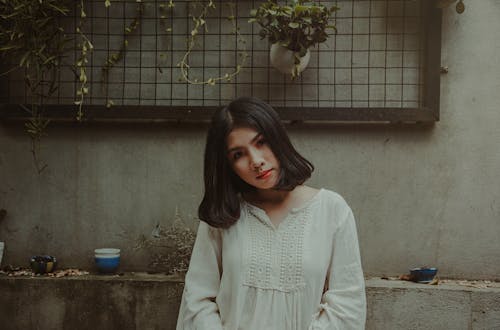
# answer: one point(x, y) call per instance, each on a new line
point(420, 195)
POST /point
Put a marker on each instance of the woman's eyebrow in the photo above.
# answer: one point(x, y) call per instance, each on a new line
point(232, 149)
point(256, 137)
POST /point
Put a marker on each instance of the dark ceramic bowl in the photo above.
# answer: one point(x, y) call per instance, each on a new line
point(43, 264)
point(423, 274)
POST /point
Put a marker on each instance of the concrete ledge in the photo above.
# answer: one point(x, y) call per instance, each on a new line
point(145, 301)
point(134, 301)
point(407, 305)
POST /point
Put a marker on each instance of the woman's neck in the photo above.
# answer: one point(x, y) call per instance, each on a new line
point(267, 196)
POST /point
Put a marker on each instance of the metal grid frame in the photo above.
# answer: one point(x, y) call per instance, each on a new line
point(427, 109)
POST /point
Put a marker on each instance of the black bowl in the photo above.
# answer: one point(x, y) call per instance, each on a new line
point(423, 274)
point(43, 264)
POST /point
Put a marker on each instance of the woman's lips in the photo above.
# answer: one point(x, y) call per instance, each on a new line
point(264, 175)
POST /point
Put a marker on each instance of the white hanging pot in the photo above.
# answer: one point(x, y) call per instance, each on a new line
point(283, 59)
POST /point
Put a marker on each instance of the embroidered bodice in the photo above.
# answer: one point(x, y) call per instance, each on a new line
point(304, 274)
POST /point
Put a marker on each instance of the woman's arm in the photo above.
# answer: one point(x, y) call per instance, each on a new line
point(198, 309)
point(343, 305)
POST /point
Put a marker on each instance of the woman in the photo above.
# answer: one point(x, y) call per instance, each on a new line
point(271, 253)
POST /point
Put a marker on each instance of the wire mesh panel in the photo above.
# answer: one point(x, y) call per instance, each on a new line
point(377, 59)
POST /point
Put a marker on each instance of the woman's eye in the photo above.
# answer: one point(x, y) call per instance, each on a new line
point(261, 142)
point(237, 155)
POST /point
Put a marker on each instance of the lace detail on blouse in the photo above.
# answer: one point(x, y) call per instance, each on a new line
point(275, 256)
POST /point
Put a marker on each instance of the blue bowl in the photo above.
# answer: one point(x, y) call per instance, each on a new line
point(107, 264)
point(423, 274)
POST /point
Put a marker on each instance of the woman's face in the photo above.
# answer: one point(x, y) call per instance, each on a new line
point(252, 159)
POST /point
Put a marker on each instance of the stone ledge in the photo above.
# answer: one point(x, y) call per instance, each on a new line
point(407, 305)
point(151, 301)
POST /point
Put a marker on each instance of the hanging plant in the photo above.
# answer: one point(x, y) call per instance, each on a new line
point(31, 32)
point(292, 30)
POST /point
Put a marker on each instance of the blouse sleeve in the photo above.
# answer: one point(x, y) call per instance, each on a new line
point(343, 304)
point(198, 310)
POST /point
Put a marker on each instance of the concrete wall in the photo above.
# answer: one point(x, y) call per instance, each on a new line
point(141, 301)
point(421, 195)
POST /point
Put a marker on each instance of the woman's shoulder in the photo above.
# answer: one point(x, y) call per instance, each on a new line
point(325, 194)
point(332, 209)
point(331, 201)
point(307, 192)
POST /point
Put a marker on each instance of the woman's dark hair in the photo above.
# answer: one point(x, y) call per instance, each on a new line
point(220, 206)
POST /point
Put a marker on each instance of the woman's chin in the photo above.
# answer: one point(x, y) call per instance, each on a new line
point(264, 185)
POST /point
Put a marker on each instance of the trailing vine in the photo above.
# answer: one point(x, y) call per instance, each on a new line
point(35, 126)
point(114, 58)
point(165, 9)
point(31, 32)
point(81, 63)
point(199, 25)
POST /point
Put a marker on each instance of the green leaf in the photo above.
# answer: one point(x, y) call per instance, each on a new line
point(24, 60)
point(50, 59)
point(8, 47)
point(63, 11)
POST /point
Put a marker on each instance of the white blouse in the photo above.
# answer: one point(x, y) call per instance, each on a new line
point(304, 274)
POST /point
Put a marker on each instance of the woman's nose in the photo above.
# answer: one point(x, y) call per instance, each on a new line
point(256, 159)
point(257, 165)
